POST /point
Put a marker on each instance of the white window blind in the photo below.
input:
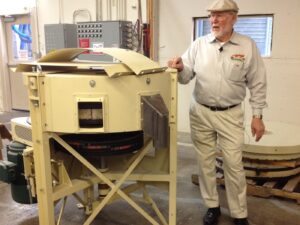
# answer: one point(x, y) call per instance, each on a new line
point(258, 27)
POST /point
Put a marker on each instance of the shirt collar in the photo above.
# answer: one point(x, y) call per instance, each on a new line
point(233, 39)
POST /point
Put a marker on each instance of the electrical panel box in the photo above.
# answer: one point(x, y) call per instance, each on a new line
point(103, 34)
point(59, 36)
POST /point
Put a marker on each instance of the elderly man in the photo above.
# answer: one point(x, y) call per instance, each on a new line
point(224, 64)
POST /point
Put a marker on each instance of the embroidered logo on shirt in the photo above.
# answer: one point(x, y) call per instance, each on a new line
point(238, 57)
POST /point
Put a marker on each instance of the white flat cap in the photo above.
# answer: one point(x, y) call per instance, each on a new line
point(223, 5)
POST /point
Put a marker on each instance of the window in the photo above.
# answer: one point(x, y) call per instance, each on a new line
point(22, 41)
point(258, 27)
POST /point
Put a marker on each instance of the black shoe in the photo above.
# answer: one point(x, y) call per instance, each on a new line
point(212, 216)
point(240, 221)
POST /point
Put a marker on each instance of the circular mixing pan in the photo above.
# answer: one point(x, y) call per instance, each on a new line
point(104, 144)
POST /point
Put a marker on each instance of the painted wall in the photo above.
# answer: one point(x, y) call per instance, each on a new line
point(15, 6)
point(62, 11)
point(283, 67)
point(48, 12)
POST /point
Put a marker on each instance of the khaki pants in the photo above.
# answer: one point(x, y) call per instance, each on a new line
point(225, 130)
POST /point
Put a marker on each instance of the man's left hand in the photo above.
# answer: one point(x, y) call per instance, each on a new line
point(257, 128)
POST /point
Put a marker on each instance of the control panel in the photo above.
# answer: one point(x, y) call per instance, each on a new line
point(100, 34)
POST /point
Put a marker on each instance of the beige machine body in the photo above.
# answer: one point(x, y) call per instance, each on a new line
point(120, 99)
point(84, 98)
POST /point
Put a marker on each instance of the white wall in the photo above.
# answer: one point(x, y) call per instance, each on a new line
point(283, 67)
point(61, 11)
point(55, 11)
point(15, 6)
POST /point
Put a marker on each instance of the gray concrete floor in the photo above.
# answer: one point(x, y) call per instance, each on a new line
point(190, 208)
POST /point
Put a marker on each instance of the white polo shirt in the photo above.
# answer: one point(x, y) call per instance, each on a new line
point(222, 74)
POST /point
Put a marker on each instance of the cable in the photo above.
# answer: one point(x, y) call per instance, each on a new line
point(78, 11)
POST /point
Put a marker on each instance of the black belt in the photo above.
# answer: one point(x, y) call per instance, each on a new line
point(217, 108)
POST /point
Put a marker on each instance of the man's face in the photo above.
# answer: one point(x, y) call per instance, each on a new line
point(222, 24)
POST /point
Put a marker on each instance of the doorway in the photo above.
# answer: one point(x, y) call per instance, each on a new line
point(17, 33)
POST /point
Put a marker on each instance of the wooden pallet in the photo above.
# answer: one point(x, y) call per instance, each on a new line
point(283, 188)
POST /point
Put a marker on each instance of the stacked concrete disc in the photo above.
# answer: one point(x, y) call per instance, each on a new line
point(276, 155)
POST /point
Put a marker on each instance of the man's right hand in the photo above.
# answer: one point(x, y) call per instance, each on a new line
point(176, 63)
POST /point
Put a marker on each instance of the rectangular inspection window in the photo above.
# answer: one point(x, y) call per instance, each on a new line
point(90, 114)
point(258, 27)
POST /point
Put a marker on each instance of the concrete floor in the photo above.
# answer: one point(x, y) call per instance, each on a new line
point(190, 208)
